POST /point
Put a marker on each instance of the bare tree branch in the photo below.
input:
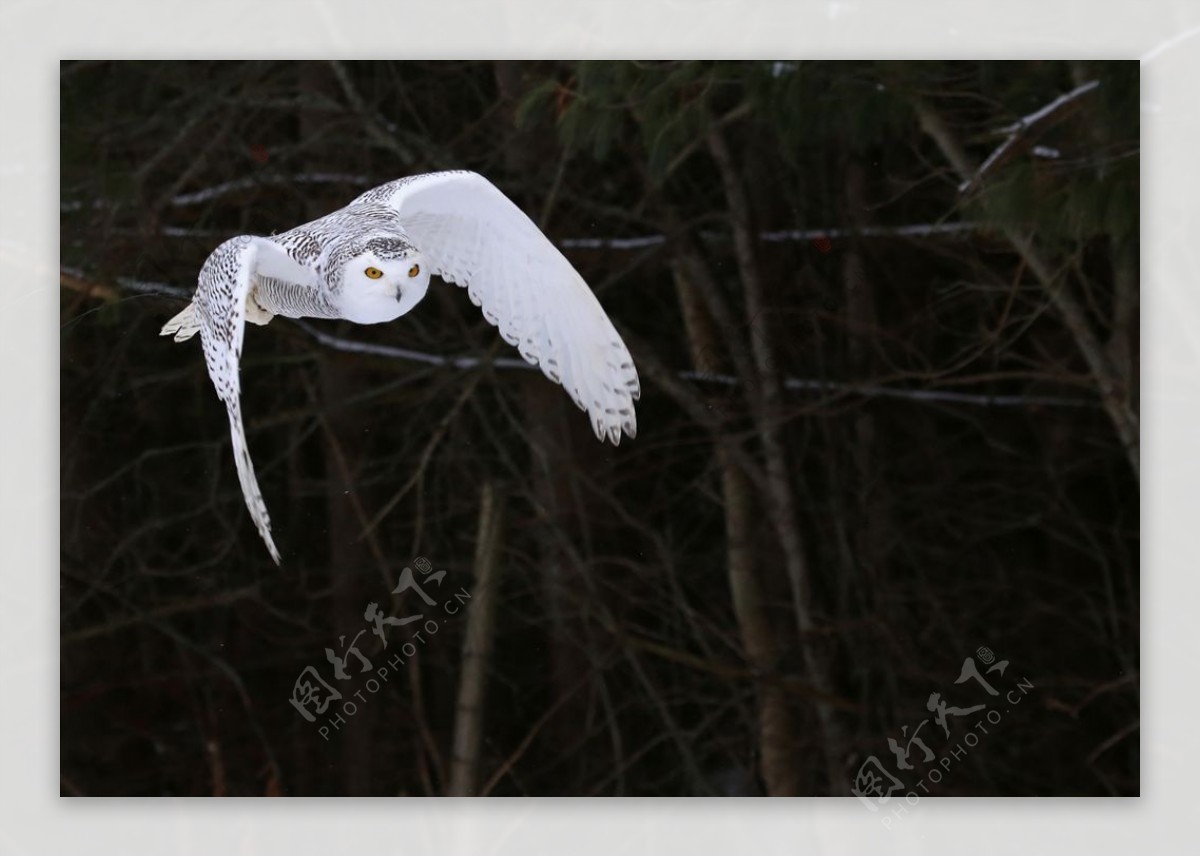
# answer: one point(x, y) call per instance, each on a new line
point(1113, 393)
point(1024, 132)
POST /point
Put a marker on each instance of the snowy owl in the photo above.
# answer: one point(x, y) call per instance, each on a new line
point(371, 262)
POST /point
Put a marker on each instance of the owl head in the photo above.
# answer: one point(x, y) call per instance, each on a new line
point(380, 280)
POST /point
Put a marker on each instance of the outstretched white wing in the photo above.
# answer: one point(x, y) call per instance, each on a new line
point(473, 235)
point(220, 302)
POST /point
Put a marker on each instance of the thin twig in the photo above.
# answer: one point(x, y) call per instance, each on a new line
point(1024, 131)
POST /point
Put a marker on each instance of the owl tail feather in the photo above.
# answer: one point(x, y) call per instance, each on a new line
point(183, 326)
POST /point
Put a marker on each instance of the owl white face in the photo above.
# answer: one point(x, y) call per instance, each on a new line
point(376, 290)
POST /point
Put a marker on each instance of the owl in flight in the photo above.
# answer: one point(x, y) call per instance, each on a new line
point(371, 262)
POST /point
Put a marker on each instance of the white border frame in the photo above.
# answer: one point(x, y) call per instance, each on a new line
point(34, 36)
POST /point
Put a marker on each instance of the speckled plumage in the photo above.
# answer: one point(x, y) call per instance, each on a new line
point(454, 224)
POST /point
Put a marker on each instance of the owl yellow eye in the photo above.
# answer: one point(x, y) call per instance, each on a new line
point(373, 273)
point(414, 270)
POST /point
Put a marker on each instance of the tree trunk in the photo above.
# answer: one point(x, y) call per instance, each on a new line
point(870, 520)
point(553, 456)
point(477, 646)
point(778, 743)
point(780, 501)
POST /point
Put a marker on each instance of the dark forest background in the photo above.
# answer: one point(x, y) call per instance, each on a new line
point(886, 321)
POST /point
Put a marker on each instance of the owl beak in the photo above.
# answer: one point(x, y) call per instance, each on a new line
point(399, 294)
